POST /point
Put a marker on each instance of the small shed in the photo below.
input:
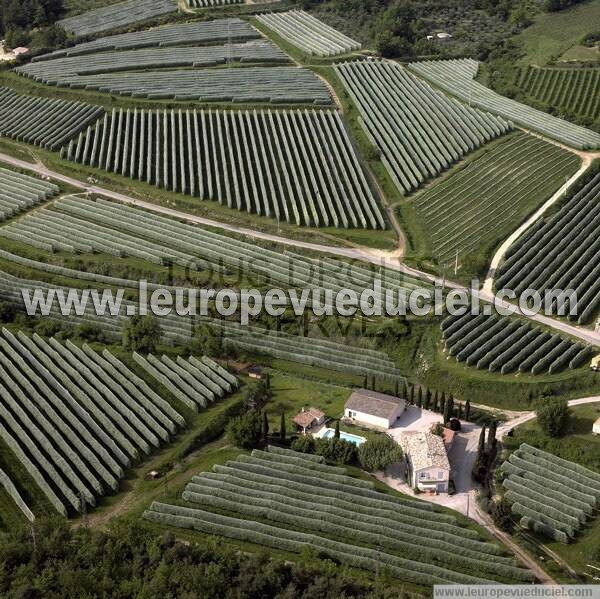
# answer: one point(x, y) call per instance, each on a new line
point(20, 51)
point(308, 418)
point(372, 409)
point(596, 427)
point(255, 372)
point(595, 365)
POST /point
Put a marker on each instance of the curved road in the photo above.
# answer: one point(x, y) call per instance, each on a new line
point(376, 257)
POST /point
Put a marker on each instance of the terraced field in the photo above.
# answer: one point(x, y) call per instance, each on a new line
point(483, 202)
point(195, 383)
point(116, 16)
point(419, 131)
point(553, 496)
point(306, 350)
point(276, 85)
point(507, 345)
point(457, 77)
point(296, 166)
point(307, 33)
point(212, 3)
point(287, 500)
point(575, 91)
point(81, 225)
point(66, 72)
point(75, 419)
point(199, 33)
point(9, 487)
point(561, 252)
point(43, 122)
point(174, 329)
point(19, 192)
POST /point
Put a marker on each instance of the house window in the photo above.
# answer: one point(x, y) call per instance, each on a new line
point(351, 414)
point(441, 475)
point(423, 475)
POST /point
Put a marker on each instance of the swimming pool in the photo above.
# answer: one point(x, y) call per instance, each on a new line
point(330, 433)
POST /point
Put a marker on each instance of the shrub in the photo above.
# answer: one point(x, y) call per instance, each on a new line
point(246, 431)
point(379, 452)
point(553, 416)
point(141, 334)
point(303, 444)
point(502, 515)
point(336, 450)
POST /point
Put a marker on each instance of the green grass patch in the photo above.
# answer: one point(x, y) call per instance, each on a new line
point(552, 34)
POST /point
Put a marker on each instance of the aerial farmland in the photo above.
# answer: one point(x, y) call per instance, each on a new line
point(298, 298)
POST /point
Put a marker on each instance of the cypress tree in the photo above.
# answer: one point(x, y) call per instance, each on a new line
point(404, 391)
point(428, 399)
point(460, 410)
point(265, 426)
point(282, 431)
point(366, 382)
point(467, 409)
point(448, 409)
point(412, 395)
point(337, 429)
point(420, 398)
point(396, 388)
point(436, 402)
point(492, 435)
point(481, 448)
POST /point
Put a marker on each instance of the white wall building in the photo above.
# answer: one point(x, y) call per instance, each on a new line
point(596, 427)
point(428, 468)
point(373, 410)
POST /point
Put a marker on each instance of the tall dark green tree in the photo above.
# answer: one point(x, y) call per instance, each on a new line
point(420, 398)
point(282, 431)
point(412, 395)
point(448, 409)
point(336, 434)
point(265, 426)
point(427, 404)
point(492, 435)
point(467, 410)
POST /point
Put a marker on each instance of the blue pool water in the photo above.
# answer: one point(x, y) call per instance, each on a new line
point(330, 433)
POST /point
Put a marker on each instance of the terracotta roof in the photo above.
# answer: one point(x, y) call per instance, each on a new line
point(425, 450)
point(307, 417)
point(374, 404)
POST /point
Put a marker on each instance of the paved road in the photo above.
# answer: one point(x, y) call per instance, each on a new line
point(376, 257)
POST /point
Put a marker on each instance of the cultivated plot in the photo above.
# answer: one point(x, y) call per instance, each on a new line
point(553, 496)
point(43, 122)
point(67, 72)
point(419, 131)
point(288, 501)
point(307, 33)
point(561, 252)
point(481, 203)
point(457, 77)
point(115, 16)
point(296, 166)
point(20, 192)
point(507, 345)
point(75, 419)
point(576, 91)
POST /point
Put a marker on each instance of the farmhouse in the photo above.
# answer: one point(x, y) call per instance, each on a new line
point(309, 418)
point(427, 465)
point(372, 409)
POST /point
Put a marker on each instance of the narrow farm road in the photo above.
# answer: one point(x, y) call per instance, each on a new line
point(391, 260)
point(586, 160)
